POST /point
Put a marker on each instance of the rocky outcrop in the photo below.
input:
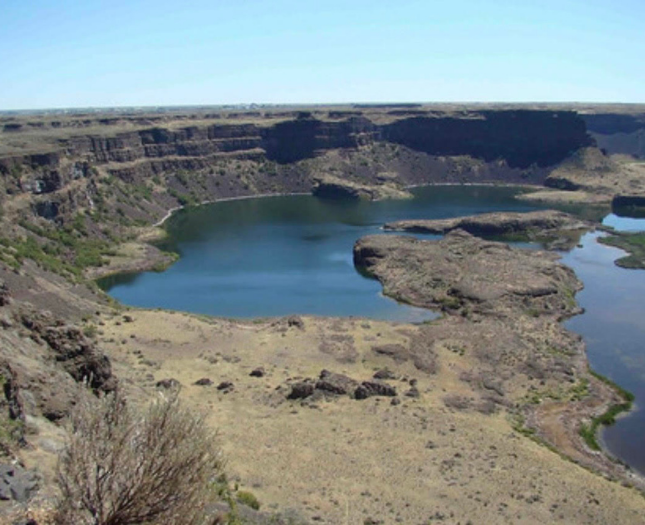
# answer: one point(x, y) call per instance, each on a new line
point(581, 170)
point(628, 200)
point(332, 384)
point(590, 170)
point(612, 123)
point(374, 388)
point(46, 363)
point(73, 351)
point(329, 187)
point(301, 390)
point(463, 272)
point(17, 483)
point(553, 228)
point(618, 132)
point(5, 294)
point(628, 205)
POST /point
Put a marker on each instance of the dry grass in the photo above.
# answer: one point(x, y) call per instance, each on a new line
point(346, 460)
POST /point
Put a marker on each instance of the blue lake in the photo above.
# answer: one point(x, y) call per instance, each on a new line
point(286, 255)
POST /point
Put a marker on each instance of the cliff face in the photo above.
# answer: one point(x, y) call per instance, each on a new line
point(194, 158)
point(158, 143)
point(618, 133)
point(522, 138)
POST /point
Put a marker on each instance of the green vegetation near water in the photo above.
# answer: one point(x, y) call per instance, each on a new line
point(590, 431)
point(65, 251)
point(633, 243)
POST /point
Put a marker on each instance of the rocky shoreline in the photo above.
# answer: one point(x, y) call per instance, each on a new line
point(518, 298)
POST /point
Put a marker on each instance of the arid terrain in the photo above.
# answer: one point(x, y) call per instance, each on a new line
point(472, 418)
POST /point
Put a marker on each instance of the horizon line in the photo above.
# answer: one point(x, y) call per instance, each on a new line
point(260, 105)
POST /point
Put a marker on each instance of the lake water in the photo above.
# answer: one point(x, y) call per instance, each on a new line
point(613, 327)
point(293, 255)
point(290, 255)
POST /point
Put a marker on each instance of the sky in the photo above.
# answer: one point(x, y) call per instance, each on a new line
point(82, 53)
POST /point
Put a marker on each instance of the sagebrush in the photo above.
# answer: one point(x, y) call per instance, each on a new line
point(124, 466)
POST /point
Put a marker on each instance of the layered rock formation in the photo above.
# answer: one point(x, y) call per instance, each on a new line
point(521, 137)
point(211, 155)
point(554, 229)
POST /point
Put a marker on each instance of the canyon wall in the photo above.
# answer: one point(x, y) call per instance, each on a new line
point(618, 133)
point(67, 162)
point(519, 137)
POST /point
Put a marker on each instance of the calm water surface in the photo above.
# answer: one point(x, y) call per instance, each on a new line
point(286, 255)
point(613, 327)
point(283, 255)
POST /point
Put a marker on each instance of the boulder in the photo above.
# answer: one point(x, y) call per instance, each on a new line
point(301, 390)
point(334, 383)
point(225, 386)
point(168, 384)
point(17, 483)
point(295, 321)
point(413, 393)
point(384, 373)
point(374, 388)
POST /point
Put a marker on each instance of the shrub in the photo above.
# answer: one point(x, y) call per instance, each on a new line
point(124, 466)
point(248, 499)
point(90, 331)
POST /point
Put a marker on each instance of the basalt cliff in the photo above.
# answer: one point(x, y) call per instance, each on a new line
point(66, 162)
point(140, 164)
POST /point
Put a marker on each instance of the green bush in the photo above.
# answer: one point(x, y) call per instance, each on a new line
point(248, 499)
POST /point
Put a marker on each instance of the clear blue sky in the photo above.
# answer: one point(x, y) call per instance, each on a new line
point(76, 53)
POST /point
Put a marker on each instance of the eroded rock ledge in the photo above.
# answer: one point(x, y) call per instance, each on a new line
point(329, 187)
point(553, 228)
